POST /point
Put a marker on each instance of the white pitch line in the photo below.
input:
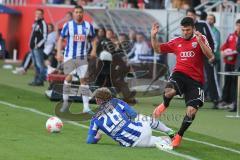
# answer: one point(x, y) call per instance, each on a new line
point(83, 126)
point(208, 144)
point(213, 145)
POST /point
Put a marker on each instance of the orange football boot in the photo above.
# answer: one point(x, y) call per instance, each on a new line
point(159, 110)
point(176, 141)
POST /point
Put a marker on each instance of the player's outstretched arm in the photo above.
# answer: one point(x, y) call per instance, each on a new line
point(205, 47)
point(154, 41)
point(93, 134)
point(94, 139)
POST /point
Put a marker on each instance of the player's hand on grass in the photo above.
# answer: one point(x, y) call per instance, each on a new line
point(155, 29)
point(98, 136)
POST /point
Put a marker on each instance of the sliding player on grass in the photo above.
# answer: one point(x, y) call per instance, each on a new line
point(119, 121)
point(187, 77)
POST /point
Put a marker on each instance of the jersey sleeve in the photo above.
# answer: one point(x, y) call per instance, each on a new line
point(92, 132)
point(127, 109)
point(167, 47)
point(92, 31)
point(65, 30)
point(93, 129)
point(204, 38)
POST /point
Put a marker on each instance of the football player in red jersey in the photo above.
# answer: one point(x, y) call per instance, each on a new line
point(187, 77)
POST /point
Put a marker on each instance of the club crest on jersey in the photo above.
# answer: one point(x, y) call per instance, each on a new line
point(194, 44)
point(79, 38)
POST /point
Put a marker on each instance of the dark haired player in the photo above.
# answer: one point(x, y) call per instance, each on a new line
point(187, 77)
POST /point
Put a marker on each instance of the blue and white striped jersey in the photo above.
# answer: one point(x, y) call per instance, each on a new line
point(77, 38)
point(114, 119)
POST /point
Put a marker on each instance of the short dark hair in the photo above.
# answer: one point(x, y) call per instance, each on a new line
point(51, 25)
point(187, 21)
point(238, 21)
point(203, 15)
point(191, 10)
point(78, 7)
point(40, 10)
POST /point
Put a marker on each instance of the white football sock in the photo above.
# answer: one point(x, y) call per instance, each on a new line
point(85, 100)
point(66, 90)
point(158, 125)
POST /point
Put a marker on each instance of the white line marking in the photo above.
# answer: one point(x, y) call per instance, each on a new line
point(208, 144)
point(212, 145)
point(83, 126)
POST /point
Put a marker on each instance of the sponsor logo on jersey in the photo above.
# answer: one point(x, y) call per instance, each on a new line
point(187, 54)
point(79, 38)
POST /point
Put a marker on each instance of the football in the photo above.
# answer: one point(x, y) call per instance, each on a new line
point(54, 125)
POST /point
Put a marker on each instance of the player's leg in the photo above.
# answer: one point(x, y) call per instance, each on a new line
point(155, 124)
point(168, 94)
point(194, 98)
point(82, 73)
point(66, 91)
point(173, 87)
point(158, 125)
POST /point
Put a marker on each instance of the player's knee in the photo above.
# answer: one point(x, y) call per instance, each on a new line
point(191, 111)
point(169, 91)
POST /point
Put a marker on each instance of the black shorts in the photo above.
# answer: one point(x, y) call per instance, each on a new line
point(190, 88)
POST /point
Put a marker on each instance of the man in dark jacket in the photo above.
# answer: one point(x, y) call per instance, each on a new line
point(212, 86)
point(37, 40)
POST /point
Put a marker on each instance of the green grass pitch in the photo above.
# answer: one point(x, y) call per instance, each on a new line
point(23, 135)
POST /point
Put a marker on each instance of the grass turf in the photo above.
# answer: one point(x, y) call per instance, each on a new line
point(23, 135)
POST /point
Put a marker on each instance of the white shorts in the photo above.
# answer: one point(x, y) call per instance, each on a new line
point(146, 139)
point(75, 66)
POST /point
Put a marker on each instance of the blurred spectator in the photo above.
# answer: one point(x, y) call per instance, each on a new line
point(2, 47)
point(37, 40)
point(203, 15)
point(211, 19)
point(141, 4)
point(25, 65)
point(132, 37)
point(82, 2)
point(140, 48)
point(110, 34)
point(181, 4)
point(48, 50)
point(49, 46)
point(69, 16)
point(155, 4)
point(51, 40)
point(124, 43)
point(229, 52)
point(101, 33)
point(126, 4)
point(226, 6)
